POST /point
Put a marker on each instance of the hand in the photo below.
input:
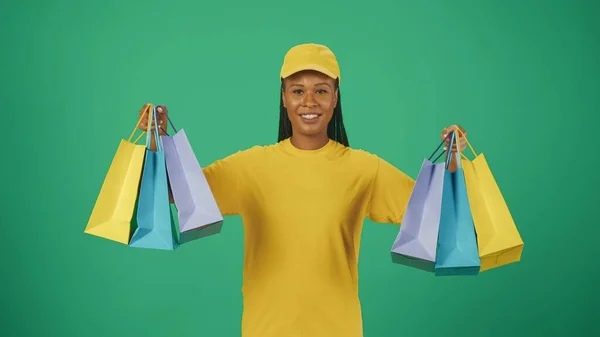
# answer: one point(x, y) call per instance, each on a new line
point(161, 113)
point(462, 140)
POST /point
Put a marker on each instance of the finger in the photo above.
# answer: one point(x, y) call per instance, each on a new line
point(461, 130)
point(143, 124)
point(449, 130)
point(144, 109)
point(448, 136)
point(163, 117)
point(445, 135)
point(162, 110)
point(458, 128)
point(145, 127)
point(153, 124)
point(147, 118)
point(445, 132)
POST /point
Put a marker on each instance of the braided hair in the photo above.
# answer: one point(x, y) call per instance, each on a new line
point(335, 130)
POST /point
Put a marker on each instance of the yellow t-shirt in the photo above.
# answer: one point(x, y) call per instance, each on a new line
point(303, 213)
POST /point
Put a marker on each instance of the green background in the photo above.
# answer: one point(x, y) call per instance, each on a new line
point(522, 77)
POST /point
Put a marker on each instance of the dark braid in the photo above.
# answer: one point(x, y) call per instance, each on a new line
point(285, 126)
point(335, 129)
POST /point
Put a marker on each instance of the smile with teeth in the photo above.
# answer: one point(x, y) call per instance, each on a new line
point(309, 116)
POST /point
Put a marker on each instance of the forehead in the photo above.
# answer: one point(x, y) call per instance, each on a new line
point(309, 76)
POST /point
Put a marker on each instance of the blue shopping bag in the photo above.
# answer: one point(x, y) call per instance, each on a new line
point(155, 226)
point(457, 252)
point(417, 239)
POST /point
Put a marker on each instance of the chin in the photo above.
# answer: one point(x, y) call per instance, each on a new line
point(312, 130)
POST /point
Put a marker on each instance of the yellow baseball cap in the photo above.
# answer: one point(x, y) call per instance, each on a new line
point(310, 56)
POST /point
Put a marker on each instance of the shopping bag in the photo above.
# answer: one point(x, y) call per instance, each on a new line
point(416, 243)
point(498, 238)
point(457, 243)
point(114, 207)
point(198, 213)
point(155, 229)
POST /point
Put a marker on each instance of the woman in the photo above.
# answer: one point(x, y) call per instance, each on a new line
point(303, 201)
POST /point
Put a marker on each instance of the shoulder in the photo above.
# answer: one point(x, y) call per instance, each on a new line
point(372, 163)
point(363, 161)
point(253, 156)
point(248, 153)
point(360, 155)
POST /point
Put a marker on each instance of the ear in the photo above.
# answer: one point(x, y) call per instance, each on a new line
point(283, 98)
point(283, 93)
point(335, 97)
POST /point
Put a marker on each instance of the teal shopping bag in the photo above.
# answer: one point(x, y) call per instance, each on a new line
point(457, 252)
point(155, 225)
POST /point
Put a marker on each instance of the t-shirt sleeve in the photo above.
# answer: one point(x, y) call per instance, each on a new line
point(390, 192)
point(223, 179)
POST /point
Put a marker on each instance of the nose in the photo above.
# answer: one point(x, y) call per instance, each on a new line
point(309, 101)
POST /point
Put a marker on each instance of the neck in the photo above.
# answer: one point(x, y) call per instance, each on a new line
point(309, 142)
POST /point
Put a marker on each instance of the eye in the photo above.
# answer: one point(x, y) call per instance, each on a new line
point(321, 91)
point(298, 91)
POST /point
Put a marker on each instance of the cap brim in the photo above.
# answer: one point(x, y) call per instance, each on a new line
point(303, 67)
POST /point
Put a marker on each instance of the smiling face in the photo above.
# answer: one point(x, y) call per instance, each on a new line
point(309, 98)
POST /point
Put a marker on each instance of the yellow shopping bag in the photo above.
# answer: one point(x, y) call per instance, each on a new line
point(114, 207)
point(498, 238)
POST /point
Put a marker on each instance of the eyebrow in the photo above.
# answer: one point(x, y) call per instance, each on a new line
point(301, 85)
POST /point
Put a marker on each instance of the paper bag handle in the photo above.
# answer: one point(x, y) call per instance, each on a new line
point(438, 148)
point(468, 143)
point(172, 125)
point(154, 119)
point(455, 138)
point(137, 125)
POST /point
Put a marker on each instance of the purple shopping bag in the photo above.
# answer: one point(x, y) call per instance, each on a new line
point(199, 215)
point(416, 243)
